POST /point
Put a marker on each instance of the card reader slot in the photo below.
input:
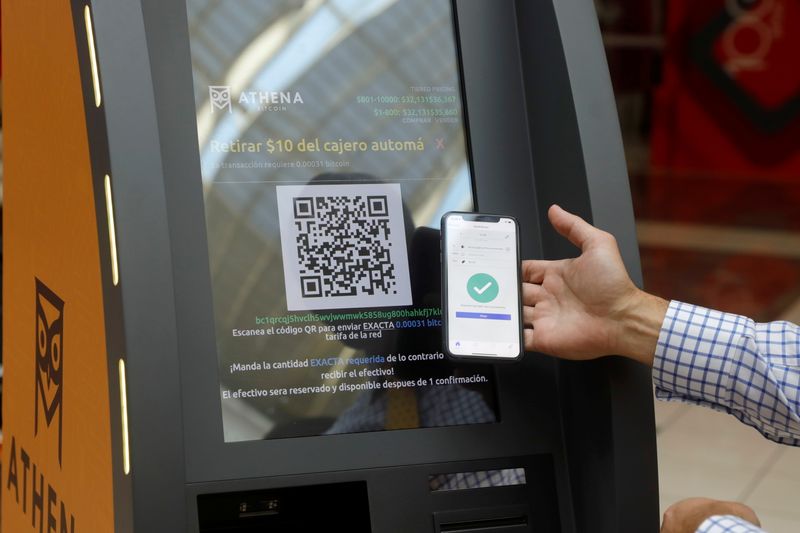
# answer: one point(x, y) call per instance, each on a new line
point(249, 508)
point(336, 507)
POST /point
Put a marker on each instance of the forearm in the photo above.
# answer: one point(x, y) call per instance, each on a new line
point(730, 363)
point(640, 324)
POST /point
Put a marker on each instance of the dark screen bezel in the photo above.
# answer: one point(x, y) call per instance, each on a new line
point(520, 431)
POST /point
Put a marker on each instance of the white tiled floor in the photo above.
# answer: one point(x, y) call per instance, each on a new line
point(705, 453)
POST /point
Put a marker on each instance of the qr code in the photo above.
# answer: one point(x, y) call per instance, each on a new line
point(344, 246)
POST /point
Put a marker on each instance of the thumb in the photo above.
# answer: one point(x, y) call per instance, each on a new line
point(574, 228)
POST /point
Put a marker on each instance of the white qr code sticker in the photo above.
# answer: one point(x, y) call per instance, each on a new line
point(344, 246)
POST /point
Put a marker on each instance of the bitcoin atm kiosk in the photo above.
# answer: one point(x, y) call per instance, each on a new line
point(255, 335)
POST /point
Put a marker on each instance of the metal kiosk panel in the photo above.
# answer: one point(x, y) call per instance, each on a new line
point(559, 447)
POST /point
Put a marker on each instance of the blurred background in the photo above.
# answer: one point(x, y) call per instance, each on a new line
point(708, 95)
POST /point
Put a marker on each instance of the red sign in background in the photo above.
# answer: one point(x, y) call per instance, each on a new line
point(729, 102)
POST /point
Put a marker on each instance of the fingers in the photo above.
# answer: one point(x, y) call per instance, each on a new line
point(531, 294)
point(528, 315)
point(574, 228)
point(527, 337)
point(533, 271)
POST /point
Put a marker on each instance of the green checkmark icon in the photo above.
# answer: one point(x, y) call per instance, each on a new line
point(482, 288)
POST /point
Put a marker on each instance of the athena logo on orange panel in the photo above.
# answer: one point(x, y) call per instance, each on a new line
point(49, 361)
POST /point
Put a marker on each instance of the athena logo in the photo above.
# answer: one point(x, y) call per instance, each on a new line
point(220, 96)
point(49, 359)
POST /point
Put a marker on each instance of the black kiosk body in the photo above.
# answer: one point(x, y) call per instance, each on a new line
point(279, 168)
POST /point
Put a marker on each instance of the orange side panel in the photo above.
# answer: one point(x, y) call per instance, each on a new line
point(56, 455)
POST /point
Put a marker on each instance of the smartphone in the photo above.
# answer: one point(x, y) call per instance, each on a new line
point(482, 302)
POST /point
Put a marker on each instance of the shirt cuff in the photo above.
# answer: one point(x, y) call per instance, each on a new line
point(694, 353)
point(727, 524)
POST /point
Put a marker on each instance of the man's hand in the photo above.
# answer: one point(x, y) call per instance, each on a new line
point(588, 307)
point(687, 515)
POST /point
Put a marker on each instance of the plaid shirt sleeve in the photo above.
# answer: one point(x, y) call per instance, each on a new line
point(727, 524)
point(730, 363)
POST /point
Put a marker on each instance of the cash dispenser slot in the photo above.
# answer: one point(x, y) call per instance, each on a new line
point(502, 520)
point(501, 496)
point(337, 507)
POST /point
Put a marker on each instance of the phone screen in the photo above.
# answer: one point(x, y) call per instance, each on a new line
point(482, 281)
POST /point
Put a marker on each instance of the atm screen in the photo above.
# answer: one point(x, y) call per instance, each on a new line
point(332, 139)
